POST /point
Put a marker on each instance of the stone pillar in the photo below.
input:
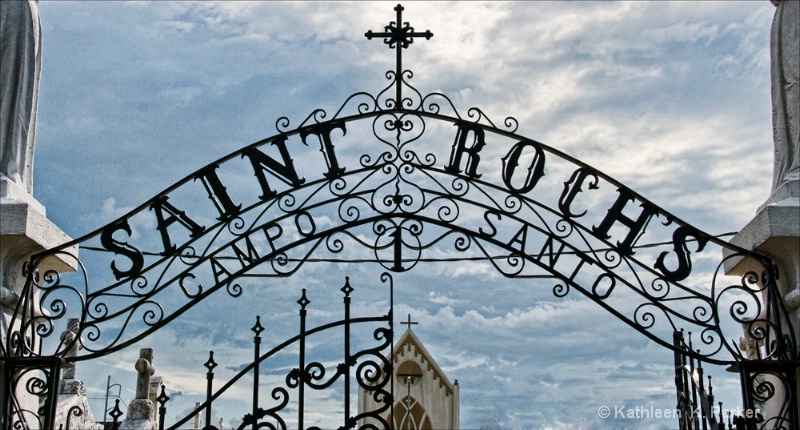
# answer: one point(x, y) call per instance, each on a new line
point(24, 227)
point(775, 230)
point(24, 231)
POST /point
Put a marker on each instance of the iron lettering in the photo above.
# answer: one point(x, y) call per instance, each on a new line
point(571, 189)
point(217, 192)
point(323, 133)
point(249, 257)
point(218, 270)
point(161, 205)
point(122, 248)
point(473, 151)
point(679, 242)
point(535, 169)
point(493, 232)
point(285, 172)
point(636, 226)
point(304, 218)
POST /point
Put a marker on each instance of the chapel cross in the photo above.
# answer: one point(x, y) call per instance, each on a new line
point(409, 323)
point(398, 35)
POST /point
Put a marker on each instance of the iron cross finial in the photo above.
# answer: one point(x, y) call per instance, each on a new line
point(398, 35)
point(409, 323)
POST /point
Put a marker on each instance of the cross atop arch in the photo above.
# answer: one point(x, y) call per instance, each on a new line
point(398, 35)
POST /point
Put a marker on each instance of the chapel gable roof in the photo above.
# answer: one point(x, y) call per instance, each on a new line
point(409, 346)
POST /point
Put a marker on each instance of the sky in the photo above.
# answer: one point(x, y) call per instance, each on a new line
point(672, 99)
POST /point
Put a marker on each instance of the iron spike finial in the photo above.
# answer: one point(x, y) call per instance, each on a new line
point(210, 364)
point(116, 412)
point(163, 397)
point(347, 289)
point(303, 301)
point(257, 328)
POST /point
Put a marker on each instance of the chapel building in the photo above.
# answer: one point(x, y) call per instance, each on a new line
point(424, 398)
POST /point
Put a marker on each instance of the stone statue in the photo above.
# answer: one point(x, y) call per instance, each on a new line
point(20, 66)
point(785, 72)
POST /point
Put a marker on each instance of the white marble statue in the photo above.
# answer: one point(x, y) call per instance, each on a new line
point(785, 71)
point(20, 66)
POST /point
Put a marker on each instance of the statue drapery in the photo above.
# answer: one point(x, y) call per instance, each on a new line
point(785, 72)
point(20, 67)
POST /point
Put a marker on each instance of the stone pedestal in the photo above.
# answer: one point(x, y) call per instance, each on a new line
point(24, 231)
point(73, 409)
point(775, 233)
point(140, 416)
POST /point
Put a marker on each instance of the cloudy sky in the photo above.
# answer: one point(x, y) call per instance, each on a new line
point(669, 98)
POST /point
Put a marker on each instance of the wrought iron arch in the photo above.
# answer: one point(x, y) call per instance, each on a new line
point(538, 214)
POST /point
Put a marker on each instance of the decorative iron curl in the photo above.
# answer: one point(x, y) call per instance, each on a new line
point(282, 124)
point(657, 289)
point(349, 209)
point(409, 156)
point(315, 371)
point(512, 204)
point(365, 160)
point(460, 186)
point(338, 186)
point(703, 313)
point(712, 336)
point(278, 394)
point(372, 375)
point(91, 331)
point(560, 289)
point(287, 202)
point(279, 261)
point(475, 114)
point(188, 255)
point(50, 279)
point(644, 318)
point(388, 102)
point(140, 286)
point(75, 411)
point(563, 228)
point(237, 226)
point(408, 102)
point(739, 309)
point(363, 107)
point(511, 124)
point(611, 258)
point(234, 289)
point(37, 386)
point(428, 105)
